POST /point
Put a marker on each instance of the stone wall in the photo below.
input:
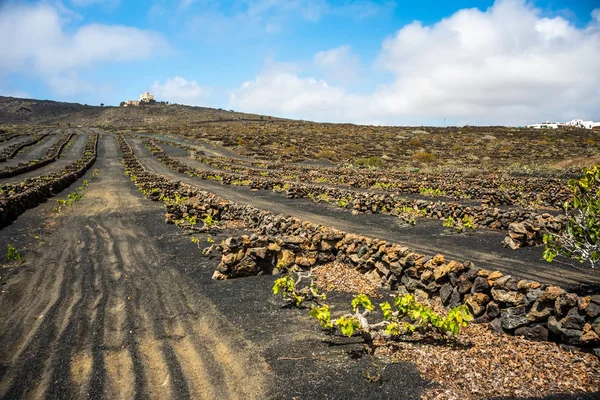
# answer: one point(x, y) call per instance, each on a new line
point(51, 155)
point(522, 307)
point(12, 150)
point(492, 189)
point(39, 189)
point(369, 202)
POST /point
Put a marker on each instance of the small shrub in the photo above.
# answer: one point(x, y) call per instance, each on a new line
point(209, 221)
point(382, 185)
point(414, 142)
point(580, 238)
point(295, 294)
point(343, 203)
point(13, 254)
point(372, 162)
point(403, 317)
point(466, 223)
point(425, 157)
point(290, 151)
point(353, 148)
point(326, 155)
point(449, 222)
point(425, 191)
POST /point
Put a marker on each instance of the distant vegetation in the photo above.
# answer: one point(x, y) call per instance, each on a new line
point(434, 149)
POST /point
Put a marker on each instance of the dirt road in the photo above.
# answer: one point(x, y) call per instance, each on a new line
point(112, 303)
point(98, 312)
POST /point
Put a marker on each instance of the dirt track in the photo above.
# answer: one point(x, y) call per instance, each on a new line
point(97, 313)
point(111, 302)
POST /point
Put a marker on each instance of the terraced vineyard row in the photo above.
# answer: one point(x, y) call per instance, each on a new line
point(14, 149)
point(8, 136)
point(17, 198)
point(490, 149)
point(492, 189)
point(279, 242)
point(51, 155)
point(535, 223)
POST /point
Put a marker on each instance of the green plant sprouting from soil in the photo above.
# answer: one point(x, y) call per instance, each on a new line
point(403, 316)
point(580, 238)
point(293, 293)
point(460, 225)
point(67, 146)
point(425, 191)
point(209, 221)
point(75, 195)
point(13, 254)
point(410, 214)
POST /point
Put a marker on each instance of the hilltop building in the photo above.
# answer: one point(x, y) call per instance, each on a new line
point(577, 123)
point(145, 98)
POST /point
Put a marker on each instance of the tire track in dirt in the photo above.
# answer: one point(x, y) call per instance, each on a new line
point(101, 314)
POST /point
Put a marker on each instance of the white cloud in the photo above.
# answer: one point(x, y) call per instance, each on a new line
point(33, 36)
point(283, 93)
point(36, 40)
point(340, 64)
point(180, 90)
point(506, 65)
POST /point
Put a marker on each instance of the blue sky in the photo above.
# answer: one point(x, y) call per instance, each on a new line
point(381, 62)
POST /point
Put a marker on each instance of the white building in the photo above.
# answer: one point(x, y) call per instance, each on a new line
point(146, 97)
point(578, 123)
point(545, 125)
point(582, 124)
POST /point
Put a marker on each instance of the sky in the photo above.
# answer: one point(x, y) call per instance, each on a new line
point(413, 62)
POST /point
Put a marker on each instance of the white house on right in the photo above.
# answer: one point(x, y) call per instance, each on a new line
point(582, 124)
point(578, 123)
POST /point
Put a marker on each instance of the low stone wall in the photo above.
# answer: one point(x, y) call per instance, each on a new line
point(39, 189)
point(368, 202)
point(492, 189)
point(12, 151)
point(522, 307)
point(7, 137)
point(51, 155)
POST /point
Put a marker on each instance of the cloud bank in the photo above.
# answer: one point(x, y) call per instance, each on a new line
point(36, 40)
point(505, 65)
point(180, 90)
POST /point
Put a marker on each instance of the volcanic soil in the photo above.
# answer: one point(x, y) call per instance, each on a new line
point(111, 302)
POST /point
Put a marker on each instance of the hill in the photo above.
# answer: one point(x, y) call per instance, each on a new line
point(47, 112)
